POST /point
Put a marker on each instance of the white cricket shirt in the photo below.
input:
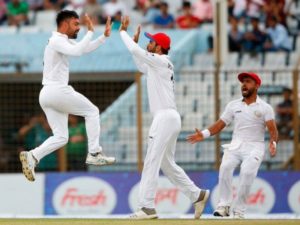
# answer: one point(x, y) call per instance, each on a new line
point(160, 75)
point(57, 51)
point(249, 120)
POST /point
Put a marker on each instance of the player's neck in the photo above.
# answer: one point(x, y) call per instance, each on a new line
point(249, 100)
point(61, 30)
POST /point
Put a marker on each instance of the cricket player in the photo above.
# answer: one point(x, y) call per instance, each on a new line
point(250, 116)
point(165, 127)
point(58, 99)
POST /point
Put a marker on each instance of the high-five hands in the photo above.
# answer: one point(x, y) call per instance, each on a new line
point(124, 23)
point(88, 22)
point(136, 36)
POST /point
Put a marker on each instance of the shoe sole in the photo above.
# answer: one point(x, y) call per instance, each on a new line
point(238, 218)
point(102, 164)
point(26, 171)
point(219, 214)
point(149, 217)
point(204, 201)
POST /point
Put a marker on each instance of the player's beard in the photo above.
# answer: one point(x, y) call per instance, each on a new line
point(151, 50)
point(248, 92)
point(74, 36)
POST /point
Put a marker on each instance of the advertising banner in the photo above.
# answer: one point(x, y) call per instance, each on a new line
point(117, 193)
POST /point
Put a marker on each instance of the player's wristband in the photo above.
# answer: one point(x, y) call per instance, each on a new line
point(274, 143)
point(205, 133)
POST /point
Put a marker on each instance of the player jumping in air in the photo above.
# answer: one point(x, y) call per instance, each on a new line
point(58, 99)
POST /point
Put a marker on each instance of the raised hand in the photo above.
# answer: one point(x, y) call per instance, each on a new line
point(88, 22)
point(195, 137)
point(124, 23)
point(136, 36)
point(107, 27)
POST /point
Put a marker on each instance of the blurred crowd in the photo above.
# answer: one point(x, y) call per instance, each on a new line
point(16, 12)
point(189, 14)
point(265, 25)
point(254, 25)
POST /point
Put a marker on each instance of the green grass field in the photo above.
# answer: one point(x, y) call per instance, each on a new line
point(144, 222)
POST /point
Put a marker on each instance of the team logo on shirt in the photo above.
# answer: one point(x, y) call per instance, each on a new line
point(257, 114)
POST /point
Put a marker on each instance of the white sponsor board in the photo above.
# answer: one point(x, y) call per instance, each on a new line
point(260, 200)
point(20, 196)
point(294, 198)
point(169, 199)
point(84, 196)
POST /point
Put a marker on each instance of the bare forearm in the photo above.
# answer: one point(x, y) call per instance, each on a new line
point(271, 125)
point(216, 127)
point(273, 135)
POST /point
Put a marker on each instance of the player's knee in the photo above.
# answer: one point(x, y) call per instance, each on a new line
point(247, 176)
point(165, 168)
point(63, 140)
point(225, 166)
point(169, 167)
point(93, 111)
point(225, 170)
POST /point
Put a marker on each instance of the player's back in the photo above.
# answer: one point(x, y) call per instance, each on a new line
point(160, 85)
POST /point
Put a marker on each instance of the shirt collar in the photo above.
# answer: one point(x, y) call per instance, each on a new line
point(55, 33)
point(258, 100)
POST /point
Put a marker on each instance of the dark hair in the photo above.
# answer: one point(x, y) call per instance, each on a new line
point(254, 18)
point(286, 89)
point(64, 15)
point(165, 51)
point(164, 4)
point(186, 4)
point(273, 18)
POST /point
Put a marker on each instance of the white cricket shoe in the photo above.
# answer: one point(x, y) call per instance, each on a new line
point(238, 215)
point(99, 160)
point(222, 211)
point(200, 204)
point(28, 165)
point(144, 213)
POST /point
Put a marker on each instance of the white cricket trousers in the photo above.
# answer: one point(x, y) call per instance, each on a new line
point(249, 155)
point(58, 102)
point(163, 134)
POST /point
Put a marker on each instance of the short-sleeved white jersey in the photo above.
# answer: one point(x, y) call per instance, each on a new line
point(57, 51)
point(160, 75)
point(249, 120)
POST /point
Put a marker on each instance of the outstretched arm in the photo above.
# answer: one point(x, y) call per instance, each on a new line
point(132, 45)
point(135, 49)
point(93, 45)
point(137, 33)
point(69, 48)
point(201, 135)
point(142, 67)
